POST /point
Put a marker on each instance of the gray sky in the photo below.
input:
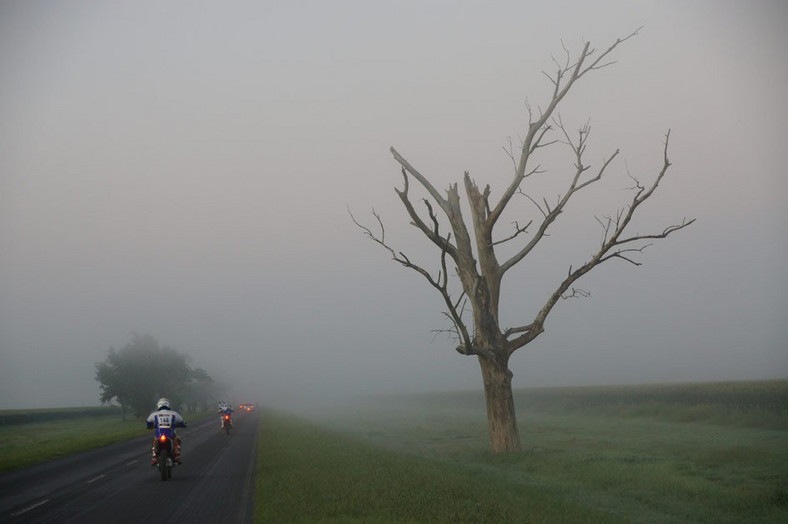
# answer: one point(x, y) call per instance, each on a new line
point(184, 169)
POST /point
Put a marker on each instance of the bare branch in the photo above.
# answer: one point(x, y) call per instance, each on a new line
point(510, 153)
point(546, 205)
point(605, 227)
point(563, 81)
point(596, 63)
point(418, 176)
point(544, 213)
point(380, 239)
point(537, 142)
point(432, 234)
point(515, 330)
point(552, 80)
point(610, 249)
point(517, 231)
point(665, 232)
point(576, 293)
point(435, 225)
point(550, 214)
point(462, 253)
point(620, 254)
point(440, 282)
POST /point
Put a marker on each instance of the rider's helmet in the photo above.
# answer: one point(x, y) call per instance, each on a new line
point(163, 403)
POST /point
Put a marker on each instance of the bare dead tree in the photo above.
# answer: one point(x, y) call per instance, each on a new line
point(474, 258)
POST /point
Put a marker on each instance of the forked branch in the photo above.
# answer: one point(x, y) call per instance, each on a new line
point(611, 248)
point(563, 80)
point(439, 282)
point(578, 147)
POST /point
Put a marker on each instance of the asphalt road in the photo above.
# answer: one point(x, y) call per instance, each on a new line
point(116, 484)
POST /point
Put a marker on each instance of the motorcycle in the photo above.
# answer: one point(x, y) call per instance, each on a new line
point(227, 422)
point(165, 451)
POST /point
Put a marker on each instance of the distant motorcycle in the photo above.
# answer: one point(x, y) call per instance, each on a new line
point(227, 422)
point(165, 451)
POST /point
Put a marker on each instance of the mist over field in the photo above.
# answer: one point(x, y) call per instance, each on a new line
point(185, 171)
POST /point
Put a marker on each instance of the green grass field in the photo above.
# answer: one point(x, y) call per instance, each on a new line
point(624, 454)
point(26, 444)
point(22, 416)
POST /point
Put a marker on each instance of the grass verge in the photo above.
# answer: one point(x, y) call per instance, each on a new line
point(32, 443)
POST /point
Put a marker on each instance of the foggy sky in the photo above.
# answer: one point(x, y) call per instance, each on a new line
point(185, 170)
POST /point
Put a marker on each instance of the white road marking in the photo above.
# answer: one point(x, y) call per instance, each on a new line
point(132, 462)
point(94, 479)
point(34, 506)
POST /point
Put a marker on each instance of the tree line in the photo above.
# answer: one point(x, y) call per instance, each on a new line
point(143, 371)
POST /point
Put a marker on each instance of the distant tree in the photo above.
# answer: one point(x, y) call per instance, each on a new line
point(142, 371)
point(477, 288)
point(200, 389)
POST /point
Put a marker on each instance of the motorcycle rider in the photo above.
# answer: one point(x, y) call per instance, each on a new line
point(165, 420)
point(224, 409)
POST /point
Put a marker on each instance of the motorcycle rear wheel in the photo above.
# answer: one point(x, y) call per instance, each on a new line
point(164, 464)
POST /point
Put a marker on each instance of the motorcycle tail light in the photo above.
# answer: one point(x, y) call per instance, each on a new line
point(163, 438)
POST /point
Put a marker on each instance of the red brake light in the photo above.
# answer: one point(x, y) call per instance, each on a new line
point(163, 438)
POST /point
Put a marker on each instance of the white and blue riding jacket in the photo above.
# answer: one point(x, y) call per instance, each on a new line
point(165, 421)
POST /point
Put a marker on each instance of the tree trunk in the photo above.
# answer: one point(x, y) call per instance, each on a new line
point(504, 435)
